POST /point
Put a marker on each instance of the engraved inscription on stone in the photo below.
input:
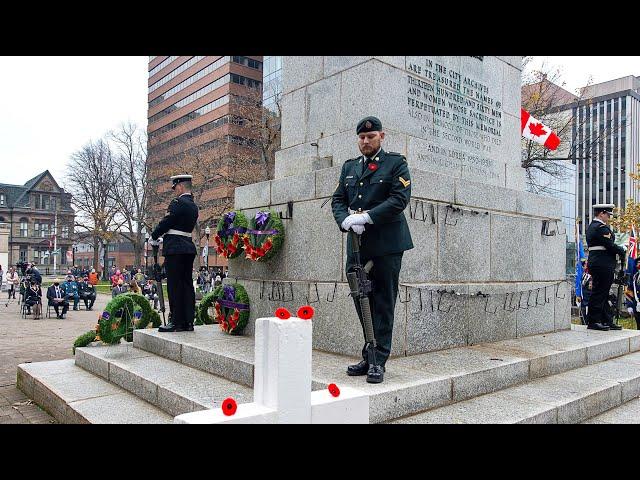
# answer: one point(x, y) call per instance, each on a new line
point(458, 115)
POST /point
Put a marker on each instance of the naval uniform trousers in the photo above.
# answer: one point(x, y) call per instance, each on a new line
point(599, 310)
point(384, 277)
point(182, 297)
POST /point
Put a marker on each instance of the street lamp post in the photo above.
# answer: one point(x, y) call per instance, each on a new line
point(207, 232)
point(146, 255)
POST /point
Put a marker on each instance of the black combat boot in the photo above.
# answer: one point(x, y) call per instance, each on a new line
point(598, 326)
point(358, 369)
point(375, 374)
point(171, 327)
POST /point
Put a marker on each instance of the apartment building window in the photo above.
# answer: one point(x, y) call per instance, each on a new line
point(3, 200)
point(65, 231)
point(24, 227)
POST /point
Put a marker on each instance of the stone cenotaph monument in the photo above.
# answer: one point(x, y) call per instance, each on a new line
point(489, 257)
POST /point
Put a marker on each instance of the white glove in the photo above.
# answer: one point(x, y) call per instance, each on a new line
point(630, 310)
point(358, 229)
point(155, 243)
point(356, 219)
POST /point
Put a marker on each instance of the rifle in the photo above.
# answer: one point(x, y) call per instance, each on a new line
point(157, 276)
point(360, 287)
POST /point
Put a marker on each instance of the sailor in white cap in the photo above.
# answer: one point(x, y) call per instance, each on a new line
point(179, 253)
point(602, 264)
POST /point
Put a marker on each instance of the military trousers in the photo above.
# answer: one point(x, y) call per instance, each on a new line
point(599, 310)
point(384, 278)
point(182, 297)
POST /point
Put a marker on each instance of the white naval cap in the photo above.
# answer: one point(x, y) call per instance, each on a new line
point(176, 179)
point(604, 207)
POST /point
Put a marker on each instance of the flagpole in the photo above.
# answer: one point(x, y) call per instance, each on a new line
point(55, 239)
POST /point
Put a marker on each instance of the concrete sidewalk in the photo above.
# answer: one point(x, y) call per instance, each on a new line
point(24, 340)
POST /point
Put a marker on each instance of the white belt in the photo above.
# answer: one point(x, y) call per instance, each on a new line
point(357, 211)
point(591, 249)
point(179, 232)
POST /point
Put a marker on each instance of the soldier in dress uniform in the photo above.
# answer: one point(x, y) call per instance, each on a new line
point(602, 264)
point(179, 253)
point(370, 199)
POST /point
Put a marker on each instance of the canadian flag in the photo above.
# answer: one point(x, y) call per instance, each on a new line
point(536, 131)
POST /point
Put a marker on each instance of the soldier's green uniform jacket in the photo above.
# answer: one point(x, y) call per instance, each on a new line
point(383, 194)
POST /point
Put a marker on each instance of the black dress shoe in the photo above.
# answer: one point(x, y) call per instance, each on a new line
point(598, 326)
point(375, 374)
point(613, 326)
point(171, 327)
point(358, 369)
point(188, 327)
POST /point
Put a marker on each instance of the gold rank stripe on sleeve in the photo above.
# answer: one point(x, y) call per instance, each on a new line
point(404, 182)
point(608, 235)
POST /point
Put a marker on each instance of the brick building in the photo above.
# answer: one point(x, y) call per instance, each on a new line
point(31, 211)
point(202, 104)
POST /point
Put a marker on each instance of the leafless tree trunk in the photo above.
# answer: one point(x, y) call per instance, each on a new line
point(131, 193)
point(91, 179)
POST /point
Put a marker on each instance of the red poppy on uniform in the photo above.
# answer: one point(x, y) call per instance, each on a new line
point(373, 167)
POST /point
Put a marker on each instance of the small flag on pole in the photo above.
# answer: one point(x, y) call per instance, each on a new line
point(579, 270)
point(534, 130)
point(632, 255)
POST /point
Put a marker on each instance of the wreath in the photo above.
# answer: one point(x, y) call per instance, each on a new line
point(264, 237)
point(120, 317)
point(202, 314)
point(231, 303)
point(229, 230)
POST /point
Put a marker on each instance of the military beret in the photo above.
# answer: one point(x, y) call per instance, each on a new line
point(368, 124)
point(176, 179)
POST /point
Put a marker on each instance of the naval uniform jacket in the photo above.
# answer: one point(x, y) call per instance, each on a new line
point(601, 236)
point(383, 194)
point(182, 215)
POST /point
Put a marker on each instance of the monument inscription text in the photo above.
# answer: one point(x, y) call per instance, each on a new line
point(458, 115)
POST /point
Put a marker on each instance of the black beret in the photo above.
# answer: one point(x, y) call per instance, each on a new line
point(369, 124)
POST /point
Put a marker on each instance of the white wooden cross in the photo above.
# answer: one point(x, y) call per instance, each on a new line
point(282, 383)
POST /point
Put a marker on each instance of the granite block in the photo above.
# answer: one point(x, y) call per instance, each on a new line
point(511, 248)
point(336, 64)
point(175, 404)
point(538, 205)
point(117, 409)
point(253, 196)
point(480, 196)
point(394, 61)
point(514, 176)
point(496, 408)
point(295, 160)
point(538, 317)
point(625, 373)
point(312, 249)
point(590, 405)
point(628, 413)
point(549, 255)
point(24, 381)
point(323, 103)
point(327, 182)
point(294, 118)
point(221, 365)
point(91, 363)
point(300, 187)
point(599, 352)
point(489, 320)
point(134, 383)
point(298, 71)
point(562, 308)
point(169, 348)
point(431, 185)
point(436, 321)
point(420, 264)
point(458, 262)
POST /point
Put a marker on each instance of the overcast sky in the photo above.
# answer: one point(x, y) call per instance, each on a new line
point(51, 106)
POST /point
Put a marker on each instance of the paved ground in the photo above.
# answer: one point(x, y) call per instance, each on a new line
point(29, 340)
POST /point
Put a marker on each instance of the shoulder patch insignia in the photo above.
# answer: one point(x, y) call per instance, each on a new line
point(404, 182)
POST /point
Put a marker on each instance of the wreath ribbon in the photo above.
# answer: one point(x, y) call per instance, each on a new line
point(230, 304)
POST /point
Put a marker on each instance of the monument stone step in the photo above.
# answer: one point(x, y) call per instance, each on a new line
point(569, 397)
point(72, 395)
point(414, 383)
point(171, 386)
point(626, 413)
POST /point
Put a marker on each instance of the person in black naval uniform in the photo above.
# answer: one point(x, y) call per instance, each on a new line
point(370, 198)
point(179, 253)
point(602, 264)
